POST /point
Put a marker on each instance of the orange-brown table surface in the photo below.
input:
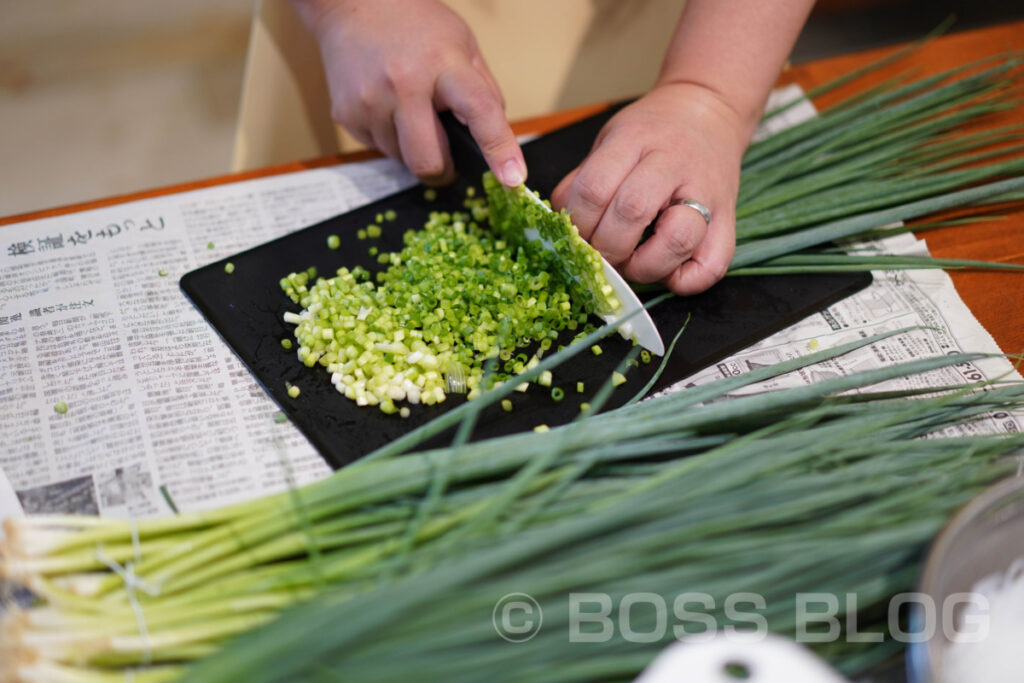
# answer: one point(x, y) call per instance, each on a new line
point(995, 298)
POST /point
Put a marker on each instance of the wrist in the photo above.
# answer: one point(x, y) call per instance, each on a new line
point(734, 49)
point(714, 107)
point(318, 15)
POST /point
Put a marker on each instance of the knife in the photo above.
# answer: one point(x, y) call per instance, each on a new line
point(612, 305)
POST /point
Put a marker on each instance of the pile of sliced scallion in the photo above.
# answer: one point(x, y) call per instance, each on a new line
point(454, 296)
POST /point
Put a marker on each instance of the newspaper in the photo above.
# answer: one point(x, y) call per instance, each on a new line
point(91, 317)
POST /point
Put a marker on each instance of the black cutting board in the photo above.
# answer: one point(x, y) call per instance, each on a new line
point(246, 308)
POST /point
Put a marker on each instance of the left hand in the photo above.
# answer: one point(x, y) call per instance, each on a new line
point(679, 141)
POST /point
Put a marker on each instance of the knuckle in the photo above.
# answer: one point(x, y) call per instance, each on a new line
point(480, 103)
point(400, 76)
point(426, 167)
point(615, 256)
point(631, 207)
point(592, 190)
point(680, 242)
point(493, 147)
point(438, 53)
point(366, 98)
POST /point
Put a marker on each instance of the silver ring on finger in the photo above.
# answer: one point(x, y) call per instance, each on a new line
point(700, 208)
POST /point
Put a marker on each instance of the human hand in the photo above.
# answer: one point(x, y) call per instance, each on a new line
point(680, 141)
point(391, 64)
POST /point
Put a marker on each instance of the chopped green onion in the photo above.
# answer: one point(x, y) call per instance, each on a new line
point(596, 350)
point(229, 267)
point(373, 231)
point(209, 245)
point(618, 379)
point(286, 344)
point(430, 194)
point(333, 241)
point(515, 214)
point(361, 233)
point(167, 498)
point(506, 405)
point(579, 387)
point(390, 215)
point(541, 428)
point(557, 394)
point(293, 391)
point(61, 407)
point(280, 417)
point(441, 302)
point(545, 379)
point(162, 272)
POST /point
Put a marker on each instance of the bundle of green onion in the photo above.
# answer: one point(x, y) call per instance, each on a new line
point(830, 499)
point(774, 492)
point(893, 153)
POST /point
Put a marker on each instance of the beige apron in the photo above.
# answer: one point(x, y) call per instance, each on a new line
point(545, 54)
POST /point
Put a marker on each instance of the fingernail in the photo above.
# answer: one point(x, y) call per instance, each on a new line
point(512, 173)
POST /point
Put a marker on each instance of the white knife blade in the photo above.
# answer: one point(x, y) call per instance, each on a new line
point(640, 327)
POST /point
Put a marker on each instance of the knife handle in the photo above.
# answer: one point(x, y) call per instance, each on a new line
point(466, 155)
